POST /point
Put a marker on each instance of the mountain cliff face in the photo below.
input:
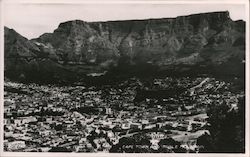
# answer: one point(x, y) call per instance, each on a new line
point(77, 48)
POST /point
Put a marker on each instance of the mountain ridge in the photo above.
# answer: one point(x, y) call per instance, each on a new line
point(78, 48)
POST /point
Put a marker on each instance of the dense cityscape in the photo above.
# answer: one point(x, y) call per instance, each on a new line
point(158, 115)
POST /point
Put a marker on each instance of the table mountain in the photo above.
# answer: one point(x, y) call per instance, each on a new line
point(200, 43)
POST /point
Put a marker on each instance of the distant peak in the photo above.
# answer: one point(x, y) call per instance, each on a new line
point(72, 22)
point(8, 29)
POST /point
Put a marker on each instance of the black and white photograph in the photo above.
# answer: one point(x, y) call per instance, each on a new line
point(124, 77)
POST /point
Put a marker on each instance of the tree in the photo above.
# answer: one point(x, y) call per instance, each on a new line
point(227, 128)
point(167, 145)
point(58, 127)
point(168, 141)
point(204, 141)
point(115, 149)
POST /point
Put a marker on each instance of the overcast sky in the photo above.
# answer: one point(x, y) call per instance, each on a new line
point(32, 20)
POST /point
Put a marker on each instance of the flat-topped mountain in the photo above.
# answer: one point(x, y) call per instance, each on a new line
point(78, 48)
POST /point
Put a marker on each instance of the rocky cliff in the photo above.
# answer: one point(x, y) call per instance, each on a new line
point(77, 48)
